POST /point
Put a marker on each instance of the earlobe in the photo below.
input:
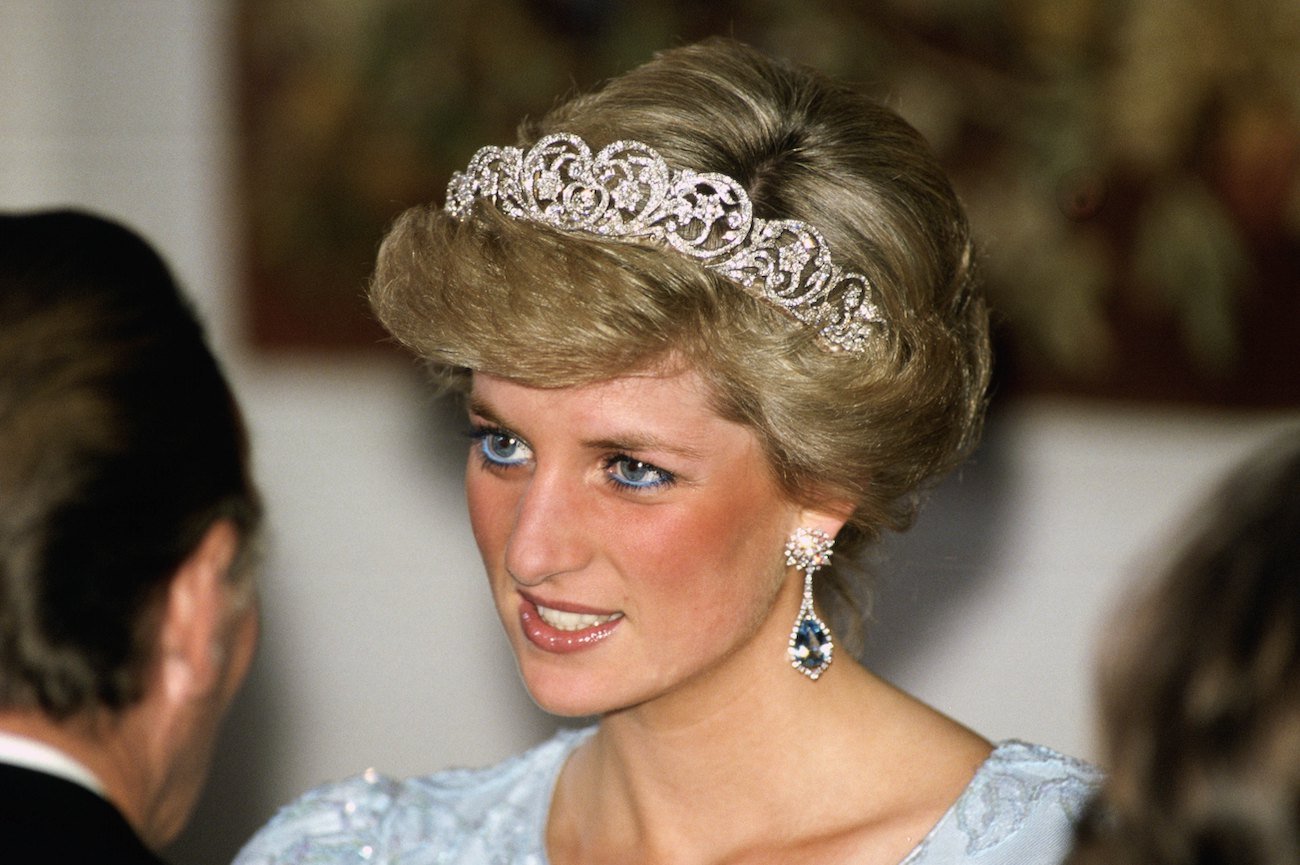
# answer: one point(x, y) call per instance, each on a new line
point(828, 517)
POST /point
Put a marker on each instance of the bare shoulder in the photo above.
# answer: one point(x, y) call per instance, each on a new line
point(893, 766)
point(927, 756)
point(950, 792)
point(931, 790)
point(934, 762)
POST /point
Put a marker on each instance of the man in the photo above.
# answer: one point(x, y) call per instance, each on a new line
point(127, 612)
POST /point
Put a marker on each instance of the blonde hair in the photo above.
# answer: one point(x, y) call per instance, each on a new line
point(554, 309)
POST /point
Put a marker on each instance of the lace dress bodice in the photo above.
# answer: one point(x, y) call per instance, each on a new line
point(1019, 809)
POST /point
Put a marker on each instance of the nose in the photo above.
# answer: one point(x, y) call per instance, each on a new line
point(549, 536)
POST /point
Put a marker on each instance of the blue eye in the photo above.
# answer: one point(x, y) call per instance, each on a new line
point(500, 448)
point(627, 472)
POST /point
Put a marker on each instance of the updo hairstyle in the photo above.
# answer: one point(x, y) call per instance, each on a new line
point(553, 309)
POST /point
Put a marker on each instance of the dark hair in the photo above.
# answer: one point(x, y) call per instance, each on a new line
point(120, 445)
point(1201, 693)
point(553, 309)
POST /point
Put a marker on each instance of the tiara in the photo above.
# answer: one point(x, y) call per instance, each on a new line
point(627, 192)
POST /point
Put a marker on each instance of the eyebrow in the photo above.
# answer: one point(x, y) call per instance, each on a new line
point(630, 441)
point(482, 409)
point(643, 442)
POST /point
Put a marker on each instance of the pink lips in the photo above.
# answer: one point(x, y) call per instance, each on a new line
point(550, 639)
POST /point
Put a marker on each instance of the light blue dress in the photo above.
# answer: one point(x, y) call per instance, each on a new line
point(1019, 809)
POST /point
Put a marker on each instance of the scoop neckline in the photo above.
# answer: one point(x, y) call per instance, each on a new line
point(571, 739)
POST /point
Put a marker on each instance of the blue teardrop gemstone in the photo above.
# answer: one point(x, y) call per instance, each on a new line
point(811, 645)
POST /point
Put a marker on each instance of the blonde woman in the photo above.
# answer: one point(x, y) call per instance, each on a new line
point(715, 324)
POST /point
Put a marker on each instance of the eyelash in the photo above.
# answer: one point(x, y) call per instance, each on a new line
point(664, 478)
point(480, 436)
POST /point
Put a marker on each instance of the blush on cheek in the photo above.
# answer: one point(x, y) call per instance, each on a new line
point(486, 511)
point(708, 554)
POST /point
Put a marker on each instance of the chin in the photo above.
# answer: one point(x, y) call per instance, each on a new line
point(573, 700)
point(568, 708)
point(573, 694)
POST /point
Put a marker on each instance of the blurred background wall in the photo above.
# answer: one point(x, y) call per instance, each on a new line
point(380, 647)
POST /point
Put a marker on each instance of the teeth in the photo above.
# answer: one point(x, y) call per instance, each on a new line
point(565, 621)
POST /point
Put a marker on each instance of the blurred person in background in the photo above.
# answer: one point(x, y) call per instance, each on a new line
point(1200, 689)
point(127, 513)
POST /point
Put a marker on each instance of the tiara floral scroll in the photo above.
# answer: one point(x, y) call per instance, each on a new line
point(627, 192)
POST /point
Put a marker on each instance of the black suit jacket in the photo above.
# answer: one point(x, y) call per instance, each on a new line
point(46, 820)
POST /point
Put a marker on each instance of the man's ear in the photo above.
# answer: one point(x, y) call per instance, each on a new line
point(194, 616)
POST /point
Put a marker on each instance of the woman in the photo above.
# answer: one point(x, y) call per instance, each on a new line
point(709, 320)
point(1201, 692)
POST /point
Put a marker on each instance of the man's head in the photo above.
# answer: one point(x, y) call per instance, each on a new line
point(126, 504)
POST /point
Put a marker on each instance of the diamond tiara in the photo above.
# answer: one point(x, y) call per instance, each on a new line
point(627, 192)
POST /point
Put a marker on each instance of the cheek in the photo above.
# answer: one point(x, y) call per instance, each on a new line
point(725, 552)
point(489, 507)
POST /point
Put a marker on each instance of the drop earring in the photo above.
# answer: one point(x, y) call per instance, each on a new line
point(810, 639)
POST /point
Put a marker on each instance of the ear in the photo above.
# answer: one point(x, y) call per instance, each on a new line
point(829, 516)
point(191, 634)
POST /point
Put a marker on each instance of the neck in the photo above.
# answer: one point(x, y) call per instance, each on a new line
point(753, 761)
point(102, 744)
point(759, 763)
point(730, 772)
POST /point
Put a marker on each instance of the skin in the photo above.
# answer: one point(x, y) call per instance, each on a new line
point(152, 757)
point(710, 748)
point(700, 554)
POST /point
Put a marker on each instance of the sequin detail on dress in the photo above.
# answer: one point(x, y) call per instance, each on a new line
point(1018, 810)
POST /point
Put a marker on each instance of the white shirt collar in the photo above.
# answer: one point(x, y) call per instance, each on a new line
point(32, 754)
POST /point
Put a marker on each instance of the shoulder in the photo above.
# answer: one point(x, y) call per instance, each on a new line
point(47, 818)
point(1020, 807)
point(374, 818)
